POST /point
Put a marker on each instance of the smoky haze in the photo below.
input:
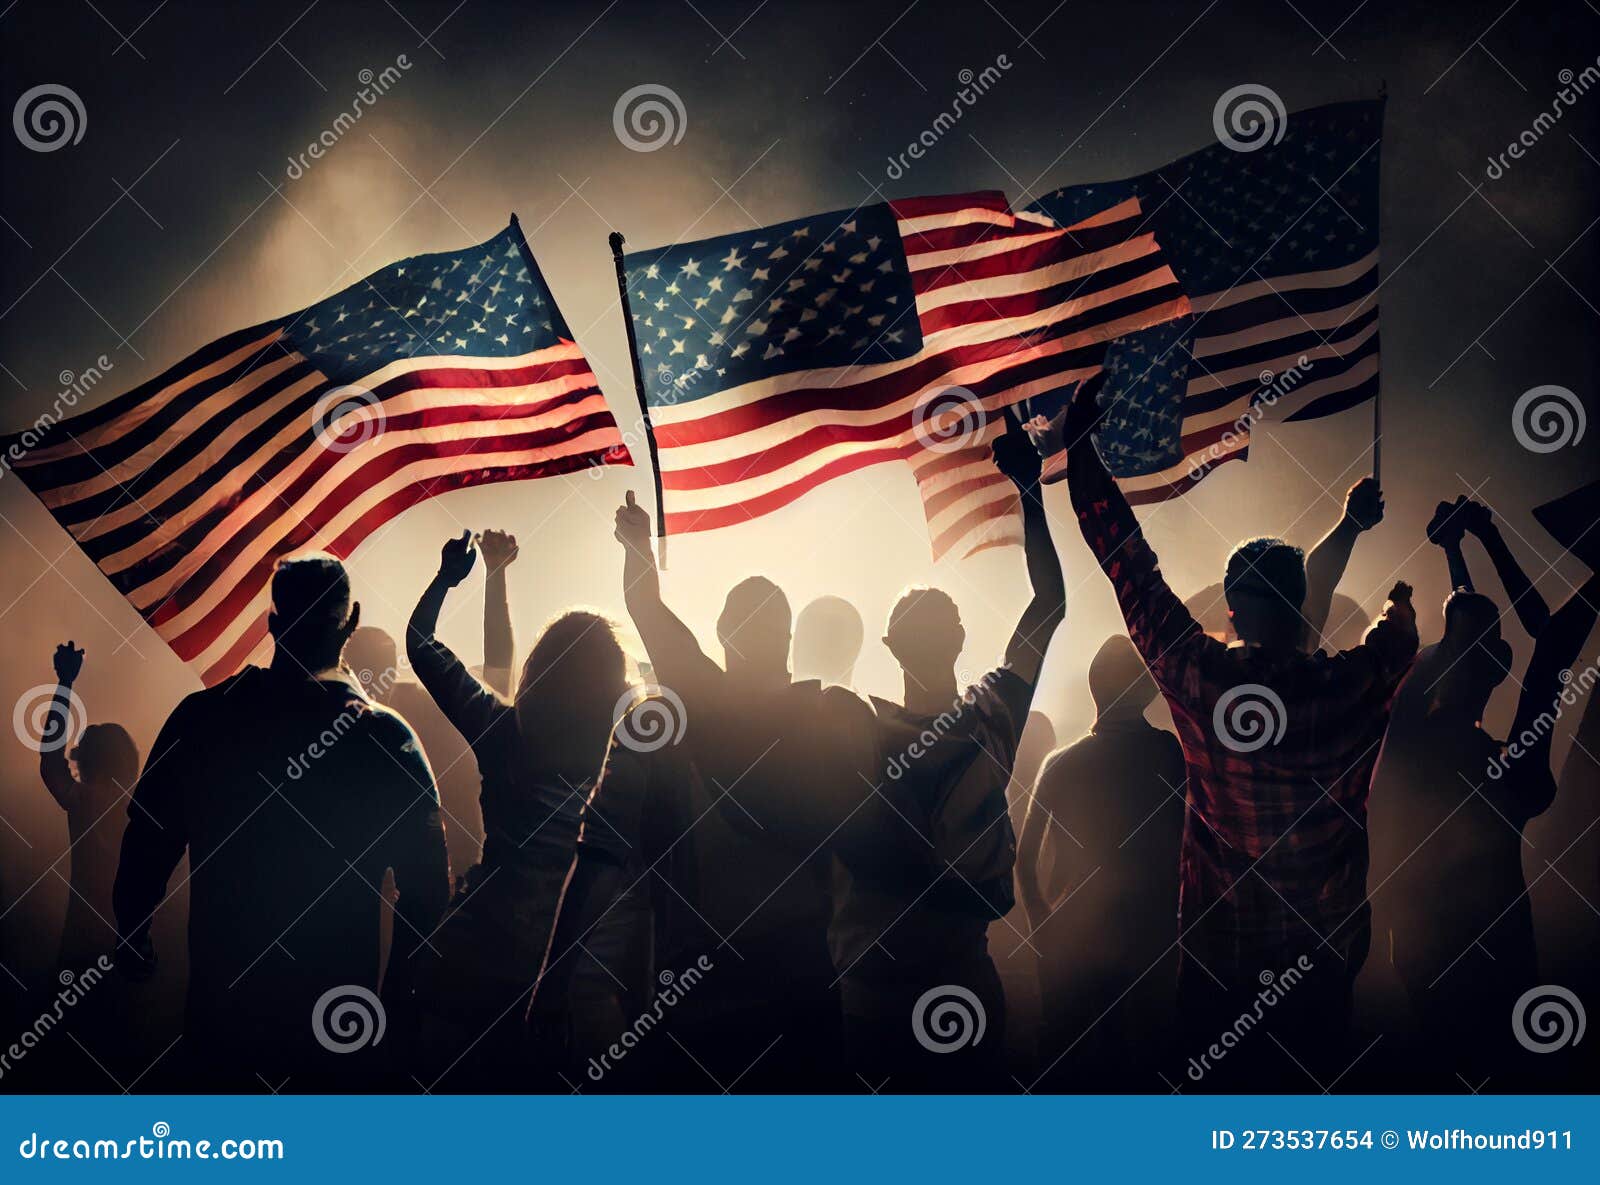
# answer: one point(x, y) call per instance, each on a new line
point(176, 220)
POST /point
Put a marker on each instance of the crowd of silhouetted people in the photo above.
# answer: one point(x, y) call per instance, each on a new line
point(743, 876)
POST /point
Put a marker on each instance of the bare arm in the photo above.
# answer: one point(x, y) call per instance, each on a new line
point(1325, 565)
point(674, 652)
point(1544, 692)
point(1445, 531)
point(1016, 457)
point(499, 645)
point(1530, 607)
point(53, 766)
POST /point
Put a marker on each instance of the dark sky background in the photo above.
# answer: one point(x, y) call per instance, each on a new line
point(172, 222)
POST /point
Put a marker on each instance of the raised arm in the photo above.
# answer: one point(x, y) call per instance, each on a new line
point(53, 765)
point(499, 645)
point(1161, 627)
point(675, 655)
point(1529, 606)
point(1325, 565)
point(1445, 530)
point(1545, 692)
point(468, 704)
point(1015, 456)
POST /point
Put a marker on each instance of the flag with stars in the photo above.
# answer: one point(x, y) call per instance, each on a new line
point(312, 431)
point(777, 359)
point(1277, 249)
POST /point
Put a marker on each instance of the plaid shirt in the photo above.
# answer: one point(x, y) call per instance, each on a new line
point(1274, 859)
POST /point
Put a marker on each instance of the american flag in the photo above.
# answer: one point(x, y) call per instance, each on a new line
point(1277, 249)
point(779, 358)
point(312, 431)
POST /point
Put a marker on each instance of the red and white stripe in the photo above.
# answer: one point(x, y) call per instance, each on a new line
point(437, 423)
point(1003, 301)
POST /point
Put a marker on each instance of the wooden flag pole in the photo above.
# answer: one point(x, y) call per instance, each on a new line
point(638, 388)
point(1377, 399)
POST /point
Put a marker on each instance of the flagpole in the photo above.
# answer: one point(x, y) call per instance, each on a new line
point(616, 241)
point(1377, 399)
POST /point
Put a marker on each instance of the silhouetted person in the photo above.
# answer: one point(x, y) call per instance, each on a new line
point(929, 862)
point(539, 756)
point(371, 655)
point(1279, 746)
point(827, 641)
point(1463, 938)
point(96, 803)
point(1108, 809)
point(720, 790)
point(293, 793)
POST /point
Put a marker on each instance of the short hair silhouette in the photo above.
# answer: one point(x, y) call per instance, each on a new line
point(1118, 678)
point(1265, 585)
point(754, 626)
point(828, 635)
point(925, 633)
point(310, 609)
point(106, 754)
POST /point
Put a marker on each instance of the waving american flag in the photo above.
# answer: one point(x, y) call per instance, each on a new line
point(779, 358)
point(1277, 249)
point(312, 431)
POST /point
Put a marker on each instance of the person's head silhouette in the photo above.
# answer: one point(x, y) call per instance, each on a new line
point(754, 629)
point(1119, 681)
point(925, 636)
point(567, 696)
point(312, 615)
point(827, 641)
point(106, 756)
point(372, 656)
point(1471, 660)
point(1265, 585)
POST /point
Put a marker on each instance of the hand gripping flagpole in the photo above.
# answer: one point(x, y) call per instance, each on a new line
point(638, 387)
